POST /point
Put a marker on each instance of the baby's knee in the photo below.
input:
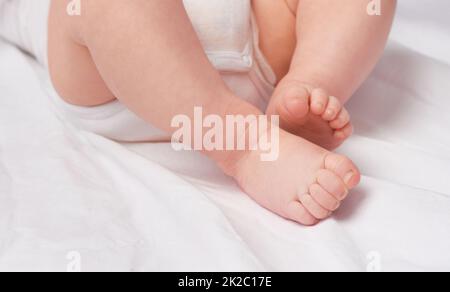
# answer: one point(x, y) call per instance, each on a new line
point(98, 17)
point(85, 18)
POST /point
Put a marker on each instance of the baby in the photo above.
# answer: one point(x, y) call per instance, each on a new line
point(151, 56)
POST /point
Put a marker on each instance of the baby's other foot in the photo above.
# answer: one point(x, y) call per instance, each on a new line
point(306, 184)
point(310, 113)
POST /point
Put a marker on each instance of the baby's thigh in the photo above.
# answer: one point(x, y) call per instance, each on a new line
point(72, 69)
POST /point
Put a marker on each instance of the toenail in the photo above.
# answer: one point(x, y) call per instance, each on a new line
point(330, 112)
point(348, 177)
point(336, 206)
point(344, 195)
point(339, 135)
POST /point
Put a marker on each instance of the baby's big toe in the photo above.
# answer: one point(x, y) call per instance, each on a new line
point(295, 105)
point(344, 168)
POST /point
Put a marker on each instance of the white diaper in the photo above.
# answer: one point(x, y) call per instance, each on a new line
point(228, 33)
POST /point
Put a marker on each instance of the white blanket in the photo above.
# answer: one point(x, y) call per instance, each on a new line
point(73, 199)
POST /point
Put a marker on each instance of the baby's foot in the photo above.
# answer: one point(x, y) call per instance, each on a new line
point(310, 113)
point(306, 184)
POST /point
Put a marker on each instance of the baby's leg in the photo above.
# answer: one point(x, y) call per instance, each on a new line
point(146, 54)
point(338, 44)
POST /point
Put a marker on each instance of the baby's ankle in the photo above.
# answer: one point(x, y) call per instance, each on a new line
point(293, 78)
point(257, 140)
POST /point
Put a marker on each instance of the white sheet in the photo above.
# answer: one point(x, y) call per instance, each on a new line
point(143, 207)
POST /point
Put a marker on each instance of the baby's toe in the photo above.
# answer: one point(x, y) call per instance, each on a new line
point(342, 119)
point(313, 207)
point(295, 105)
point(319, 101)
point(324, 198)
point(334, 107)
point(332, 183)
point(344, 133)
point(297, 212)
point(344, 168)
